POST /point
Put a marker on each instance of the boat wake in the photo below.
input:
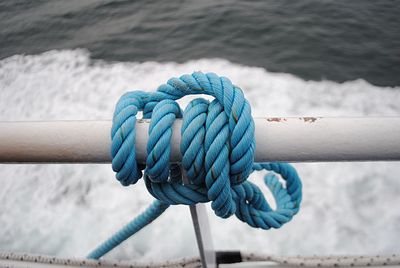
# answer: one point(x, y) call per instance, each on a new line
point(66, 210)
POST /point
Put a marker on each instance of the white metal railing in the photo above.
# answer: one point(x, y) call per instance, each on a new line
point(294, 139)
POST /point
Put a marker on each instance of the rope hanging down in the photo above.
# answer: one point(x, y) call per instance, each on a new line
point(217, 148)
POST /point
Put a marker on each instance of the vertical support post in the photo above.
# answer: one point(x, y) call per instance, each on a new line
point(202, 231)
point(203, 235)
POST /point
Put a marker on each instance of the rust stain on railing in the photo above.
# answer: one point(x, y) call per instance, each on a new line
point(284, 119)
point(276, 119)
point(308, 119)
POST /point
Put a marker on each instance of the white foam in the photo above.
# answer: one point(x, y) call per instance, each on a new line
point(68, 209)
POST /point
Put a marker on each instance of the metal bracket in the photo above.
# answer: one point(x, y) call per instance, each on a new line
point(203, 235)
point(202, 231)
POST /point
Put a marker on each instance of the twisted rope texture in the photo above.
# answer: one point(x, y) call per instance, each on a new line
point(217, 148)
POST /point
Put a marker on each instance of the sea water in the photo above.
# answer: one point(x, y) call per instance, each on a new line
point(67, 210)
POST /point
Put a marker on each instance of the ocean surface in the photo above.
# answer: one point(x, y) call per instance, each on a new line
point(336, 40)
point(71, 60)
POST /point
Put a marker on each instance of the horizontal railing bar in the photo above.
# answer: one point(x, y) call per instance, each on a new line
point(293, 139)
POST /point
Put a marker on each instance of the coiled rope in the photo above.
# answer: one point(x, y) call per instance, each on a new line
point(217, 148)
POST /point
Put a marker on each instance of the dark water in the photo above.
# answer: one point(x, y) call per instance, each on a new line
point(337, 39)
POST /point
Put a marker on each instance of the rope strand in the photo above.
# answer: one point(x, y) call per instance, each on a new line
point(217, 147)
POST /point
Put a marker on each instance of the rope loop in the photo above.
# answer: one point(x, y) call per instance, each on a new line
point(217, 147)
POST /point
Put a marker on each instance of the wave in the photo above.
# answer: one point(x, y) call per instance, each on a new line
point(68, 209)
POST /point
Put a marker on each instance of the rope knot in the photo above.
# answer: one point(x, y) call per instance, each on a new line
point(217, 147)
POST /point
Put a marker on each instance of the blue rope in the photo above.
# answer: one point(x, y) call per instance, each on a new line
point(217, 148)
point(149, 215)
